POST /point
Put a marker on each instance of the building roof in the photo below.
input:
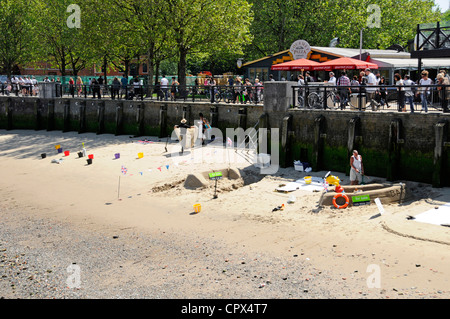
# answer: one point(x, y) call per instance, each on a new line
point(383, 58)
point(342, 52)
point(411, 63)
point(374, 53)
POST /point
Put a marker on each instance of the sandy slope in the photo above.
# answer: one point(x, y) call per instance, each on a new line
point(412, 258)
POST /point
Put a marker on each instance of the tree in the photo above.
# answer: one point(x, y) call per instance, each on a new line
point(61, 44)
point(17, 37)
point(207, 26)
point(398, 20)
point(278, 23)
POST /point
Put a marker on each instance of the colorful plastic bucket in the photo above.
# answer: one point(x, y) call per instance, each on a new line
point(140, 155)
point(197, 208)
point(117, 155)
point(308, 179)
point(57, 147)
point(60, 150)
point(66, 153)
point(91, 156)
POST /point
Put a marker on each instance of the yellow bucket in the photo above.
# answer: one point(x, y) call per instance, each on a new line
point(308, 179)
point(140, 155)
point(197, 208)
point(57, 147)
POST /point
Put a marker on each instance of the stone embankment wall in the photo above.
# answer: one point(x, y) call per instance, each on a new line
point(397, 146)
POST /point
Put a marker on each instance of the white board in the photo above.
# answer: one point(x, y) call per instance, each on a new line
point(438, 216)
point(316, 185)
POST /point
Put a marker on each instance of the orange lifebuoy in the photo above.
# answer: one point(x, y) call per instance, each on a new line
point(347, 201)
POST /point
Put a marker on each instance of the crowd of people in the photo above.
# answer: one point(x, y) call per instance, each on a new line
point(375, 87)
point(235, 90)
point(239, 90)
point(26, 86)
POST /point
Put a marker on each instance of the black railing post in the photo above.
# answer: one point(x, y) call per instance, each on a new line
point(293, 96)
point(360, 98)
point(438, 31)
point(324, 97)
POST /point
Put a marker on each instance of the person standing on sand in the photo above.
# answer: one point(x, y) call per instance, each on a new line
point(357, 169)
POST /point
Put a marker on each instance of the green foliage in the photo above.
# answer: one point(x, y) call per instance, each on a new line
point(278, 23)
point(16, 36)
point(196, 35)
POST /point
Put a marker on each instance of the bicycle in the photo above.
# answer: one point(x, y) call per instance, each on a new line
point(315, 100)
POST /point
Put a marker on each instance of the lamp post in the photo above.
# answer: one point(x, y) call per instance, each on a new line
point(360, 43)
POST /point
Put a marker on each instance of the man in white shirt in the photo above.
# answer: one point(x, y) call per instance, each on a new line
point(370, 91)
point(332, 80)
point(165, 87)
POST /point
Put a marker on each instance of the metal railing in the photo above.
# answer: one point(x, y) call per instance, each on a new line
point(373, 97)
point(189, 93)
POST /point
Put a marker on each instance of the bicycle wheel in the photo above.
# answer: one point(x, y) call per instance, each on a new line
point(335, 101)
point(314, 100)
point(217, 97)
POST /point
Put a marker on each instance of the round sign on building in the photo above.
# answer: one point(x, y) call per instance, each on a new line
point(300, 49)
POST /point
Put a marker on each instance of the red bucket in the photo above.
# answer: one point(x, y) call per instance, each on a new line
point(66, 153)
point(91, 156)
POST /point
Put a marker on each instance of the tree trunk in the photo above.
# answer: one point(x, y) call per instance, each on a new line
point(105, 71)
point(182, 67)
point(150, 68)
point(157, 73)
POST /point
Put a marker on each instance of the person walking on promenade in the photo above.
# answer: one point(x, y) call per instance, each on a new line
point(72, 87)
point(79, 86)
point(370, 91)
point(165, 87)
point(344, 82)
point(115, 88)
point(124, 82)
point(444, 91)
point(424, 91)
point(238, 90)
point(174, 89)
point(409, 93)
point(400, 92)
point(357, 168)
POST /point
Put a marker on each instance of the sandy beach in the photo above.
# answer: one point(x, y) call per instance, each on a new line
point(136, 235)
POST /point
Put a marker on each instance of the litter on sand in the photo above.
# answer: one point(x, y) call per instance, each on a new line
point(57, 161)
point(315, 185)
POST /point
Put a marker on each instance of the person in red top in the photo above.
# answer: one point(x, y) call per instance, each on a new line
point(72, 87)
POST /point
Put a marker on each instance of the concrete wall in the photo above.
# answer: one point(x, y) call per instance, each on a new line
point(393, 145)
point(139, 118)
point(398, 146)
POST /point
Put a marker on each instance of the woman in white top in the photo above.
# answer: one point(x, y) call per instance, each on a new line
point(357, 169)
point(424, 91)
